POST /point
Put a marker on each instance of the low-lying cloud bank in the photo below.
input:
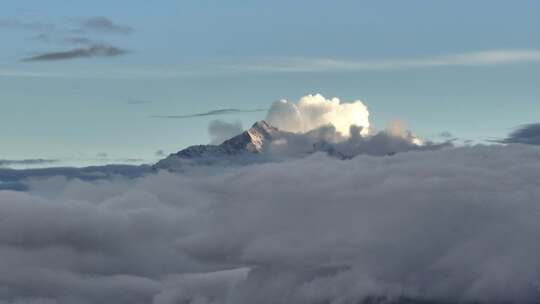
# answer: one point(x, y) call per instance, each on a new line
point(452, 225)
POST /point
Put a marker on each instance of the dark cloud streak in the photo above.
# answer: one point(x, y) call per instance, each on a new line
point(210, 113)
point(92, 51)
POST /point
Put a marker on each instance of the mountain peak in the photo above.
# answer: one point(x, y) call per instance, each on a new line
point(251, 141)
point(260, 133)
point(254, 139)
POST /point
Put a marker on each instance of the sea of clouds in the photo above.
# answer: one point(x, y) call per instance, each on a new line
point(452, 225)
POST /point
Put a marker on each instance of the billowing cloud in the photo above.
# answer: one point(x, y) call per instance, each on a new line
point(220, 130)
point(528, 134)
point(314, 111)
point(448, 226)
point(394, 139)
point(98, 50)
point(105, 25)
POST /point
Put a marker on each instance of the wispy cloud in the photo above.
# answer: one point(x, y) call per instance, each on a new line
point(105, 25)
point(32, 74)
point(445, 134)
point(100, 50)
point(98, 24)
point(17, 162)
point(50, 32)
point(210, 113)
point(138, 101)
point(41, 38)
point(27, 25)
point(298, 65)
point(79, 40)
point(480, 58)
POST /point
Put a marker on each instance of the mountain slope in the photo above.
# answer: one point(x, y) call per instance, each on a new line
point(247, 145)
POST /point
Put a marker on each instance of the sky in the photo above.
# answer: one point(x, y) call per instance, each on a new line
point(95, 80)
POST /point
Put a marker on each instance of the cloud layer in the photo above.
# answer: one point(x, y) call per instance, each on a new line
point(314, 111)
point(452, 225)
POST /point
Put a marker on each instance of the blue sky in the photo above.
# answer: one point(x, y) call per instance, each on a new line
point(467, 67)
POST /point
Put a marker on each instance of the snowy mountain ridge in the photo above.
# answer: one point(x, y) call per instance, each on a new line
point(263, 142)
point(252, 141)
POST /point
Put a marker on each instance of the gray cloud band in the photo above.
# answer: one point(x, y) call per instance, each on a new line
point(210, 113)
point(87, 52)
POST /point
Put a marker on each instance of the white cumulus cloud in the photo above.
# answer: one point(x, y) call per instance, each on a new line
point(314, 111)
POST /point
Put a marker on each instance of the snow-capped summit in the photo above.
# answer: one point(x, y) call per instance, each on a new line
point(254, 139)
point(251, 141)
